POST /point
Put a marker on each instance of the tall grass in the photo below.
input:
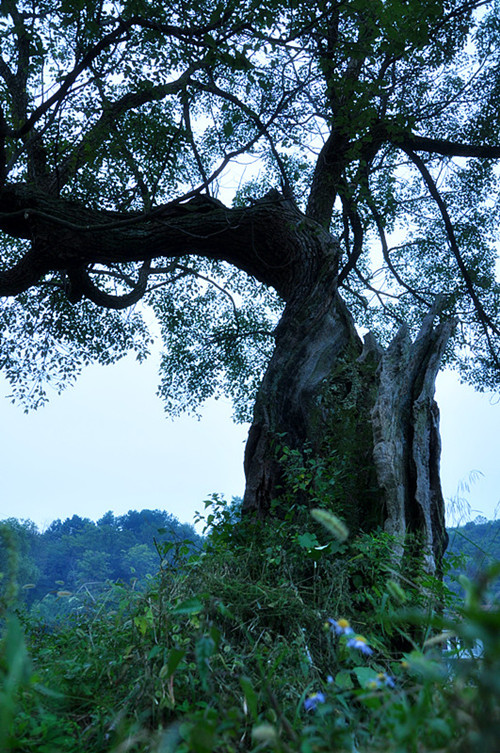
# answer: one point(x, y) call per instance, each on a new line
point(277, 636)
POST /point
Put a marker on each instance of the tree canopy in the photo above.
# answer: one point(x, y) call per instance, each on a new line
point(177, 154)
point(72, 554)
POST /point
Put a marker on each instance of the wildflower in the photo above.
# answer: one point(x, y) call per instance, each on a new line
point(361, 644)
point(381, 680)
point(313, 700)
point(385, 679)
point(341, 627)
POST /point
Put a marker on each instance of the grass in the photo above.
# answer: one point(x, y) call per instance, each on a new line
point(275, 637)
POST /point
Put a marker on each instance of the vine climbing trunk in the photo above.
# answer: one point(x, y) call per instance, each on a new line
point(366, 415)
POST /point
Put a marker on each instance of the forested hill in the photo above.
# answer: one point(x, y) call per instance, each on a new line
point(78, 554)
point(478, 542)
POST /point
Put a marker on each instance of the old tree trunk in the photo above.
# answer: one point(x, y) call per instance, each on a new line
point(363, 415)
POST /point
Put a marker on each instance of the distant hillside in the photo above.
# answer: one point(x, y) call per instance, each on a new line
point(78, 556)
point(477, 543)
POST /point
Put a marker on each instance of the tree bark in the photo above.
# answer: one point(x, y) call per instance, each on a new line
point(315, 330)
point(407, 447)
point(366, 415)
point(269, 240)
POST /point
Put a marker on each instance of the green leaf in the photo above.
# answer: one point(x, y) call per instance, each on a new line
point(142, 623)
point(344, 680)
point(440, 726)
point(308, 540)
point(204, 650)
point(364, 675)
point(175, 656)
point(155, 651)
point(189, 606)
point(202, 736)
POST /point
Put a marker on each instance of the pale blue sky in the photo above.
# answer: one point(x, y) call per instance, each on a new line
point(106, 444)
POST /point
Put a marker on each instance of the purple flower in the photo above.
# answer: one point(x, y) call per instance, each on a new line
point(340, 627)
point(360, 643)
point(381, 680)
point(387, 680)
point(313, 700)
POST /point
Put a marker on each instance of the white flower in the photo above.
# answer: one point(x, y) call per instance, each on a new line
point(360, 643)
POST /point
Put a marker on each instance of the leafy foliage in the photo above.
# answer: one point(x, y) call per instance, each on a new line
point(377, 120)
point(46, 342)
point(473, 548)
point(216, 342)
point(235, 651)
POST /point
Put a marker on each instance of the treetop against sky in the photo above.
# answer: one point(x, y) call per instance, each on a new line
point(120, 120)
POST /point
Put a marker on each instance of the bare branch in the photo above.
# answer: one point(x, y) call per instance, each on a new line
point(82, 286)
point(357, 228)
point(263, 128)
point(385, 251)
point(189, 130)
point(110, 115)
point(113, 37)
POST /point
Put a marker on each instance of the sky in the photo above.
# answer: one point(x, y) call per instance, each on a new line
point(106, 444)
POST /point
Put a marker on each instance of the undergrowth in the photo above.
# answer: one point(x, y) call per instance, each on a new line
point(280, 636)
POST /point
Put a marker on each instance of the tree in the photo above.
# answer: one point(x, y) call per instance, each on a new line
point(368, 131)
point(18, 541)
point(140, 561)
point(92, 567)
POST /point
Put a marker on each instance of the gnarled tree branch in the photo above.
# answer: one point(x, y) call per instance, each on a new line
point(266, 239)
point(81, 286)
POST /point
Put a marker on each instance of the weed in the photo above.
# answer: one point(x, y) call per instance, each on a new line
point(282, 636)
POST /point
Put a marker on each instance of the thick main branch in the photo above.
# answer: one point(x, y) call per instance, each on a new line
point(266, 240)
